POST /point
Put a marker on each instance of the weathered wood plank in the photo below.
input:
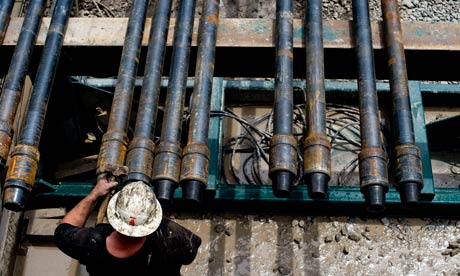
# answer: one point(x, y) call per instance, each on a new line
point(248, 33)
point(9, 225)
point(42, 228)
point(75, 167)
point(45, 213)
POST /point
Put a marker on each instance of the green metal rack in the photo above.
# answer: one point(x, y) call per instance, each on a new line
point(245, 197)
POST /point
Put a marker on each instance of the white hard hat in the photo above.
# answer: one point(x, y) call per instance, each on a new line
point(134, 211)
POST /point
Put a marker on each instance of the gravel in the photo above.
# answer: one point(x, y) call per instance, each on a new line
point(354, 236)
point(219, 228)
point(411, 10)
point(338, 237)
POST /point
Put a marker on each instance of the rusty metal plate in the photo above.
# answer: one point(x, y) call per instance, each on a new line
point(247, 33)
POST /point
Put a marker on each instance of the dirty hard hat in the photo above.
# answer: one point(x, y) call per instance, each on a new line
point(134, 211)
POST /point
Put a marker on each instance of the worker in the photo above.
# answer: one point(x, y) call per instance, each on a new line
point(137, 241)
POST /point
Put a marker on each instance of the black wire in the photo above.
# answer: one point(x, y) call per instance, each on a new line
point(342, 129)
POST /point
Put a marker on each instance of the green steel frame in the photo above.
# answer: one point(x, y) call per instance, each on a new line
point(245, 197)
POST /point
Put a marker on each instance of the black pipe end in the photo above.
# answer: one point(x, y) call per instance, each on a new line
point(164, 190)
point(15, 198)
point(193, 191)
point(282, 183)
point(374, 196)
point(136, 176)
point(317, 185)
point(410, 194)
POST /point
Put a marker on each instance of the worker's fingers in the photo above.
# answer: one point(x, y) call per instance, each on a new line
point(112, 184)
point(104, 186)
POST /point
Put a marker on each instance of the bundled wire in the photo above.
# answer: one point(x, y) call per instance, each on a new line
point(252, 144)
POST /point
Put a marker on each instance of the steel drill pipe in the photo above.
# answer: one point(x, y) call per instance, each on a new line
point(12, 88)
point(372, 159)
point(25, 156)
point(283, 146)
point(408, 170)
point(141, 149)
point(195, 158)
point(166, 171)
point(114, 142)
point(317, 148)
point(6, 7)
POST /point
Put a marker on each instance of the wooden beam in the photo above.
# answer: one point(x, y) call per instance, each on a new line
point(41, 229)
point(9, 227)
point(45, 213)
point(248, 33)
point(75, 167)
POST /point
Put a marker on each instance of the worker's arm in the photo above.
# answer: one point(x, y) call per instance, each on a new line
point(79, 214)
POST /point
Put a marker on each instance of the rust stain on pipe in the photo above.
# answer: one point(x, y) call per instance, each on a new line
point(24, 165)
point(317, 154)
point(283, 154)
point(167, 161)
point(195, 163)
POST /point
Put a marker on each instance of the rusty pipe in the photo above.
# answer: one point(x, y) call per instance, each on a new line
point(25, 156)
point(114, 142)
point(317, 148)
point(12, 88)
point(166, 170)
point(372, 159)
point(283, 146)
point(6, 7)
point(141, 148)
point(195, 158)
point(408, 170)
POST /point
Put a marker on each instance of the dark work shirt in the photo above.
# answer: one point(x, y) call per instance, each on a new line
point(163, 253)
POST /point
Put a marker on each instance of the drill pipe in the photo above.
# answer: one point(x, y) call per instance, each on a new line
point(372, 159)
point(141, 149)
point(408, 171)
point(283, 146)
point(25, 156)
point(6, 7)
point(317, 148)
point(195, 159)
point(167, 163)
point(114, 142)
point(17, 72)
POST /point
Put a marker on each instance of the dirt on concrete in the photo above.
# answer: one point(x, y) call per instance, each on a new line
point(304, 245)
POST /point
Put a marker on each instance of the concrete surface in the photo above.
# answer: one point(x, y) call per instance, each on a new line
point(250, 244)
point(301, 245)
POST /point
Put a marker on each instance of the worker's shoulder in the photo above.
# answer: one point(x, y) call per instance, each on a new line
point(176, 243)
point(169, 229)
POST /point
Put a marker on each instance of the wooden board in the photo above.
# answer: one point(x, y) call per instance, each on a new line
point(247, 33)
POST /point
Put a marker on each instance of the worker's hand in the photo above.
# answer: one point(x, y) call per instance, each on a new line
point(103, 187)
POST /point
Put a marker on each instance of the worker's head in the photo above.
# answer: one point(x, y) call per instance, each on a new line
point(134, 211)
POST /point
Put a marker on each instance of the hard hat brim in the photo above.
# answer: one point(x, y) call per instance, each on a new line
point(133, 230)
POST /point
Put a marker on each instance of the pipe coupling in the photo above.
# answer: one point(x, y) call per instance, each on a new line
point(408, 165)
point(283, 154)
point(113, 148)
point(373, 167)
point(20, 177)
point(140, 156)
point(195, 163)
point(167, 162)
point(317, 155)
